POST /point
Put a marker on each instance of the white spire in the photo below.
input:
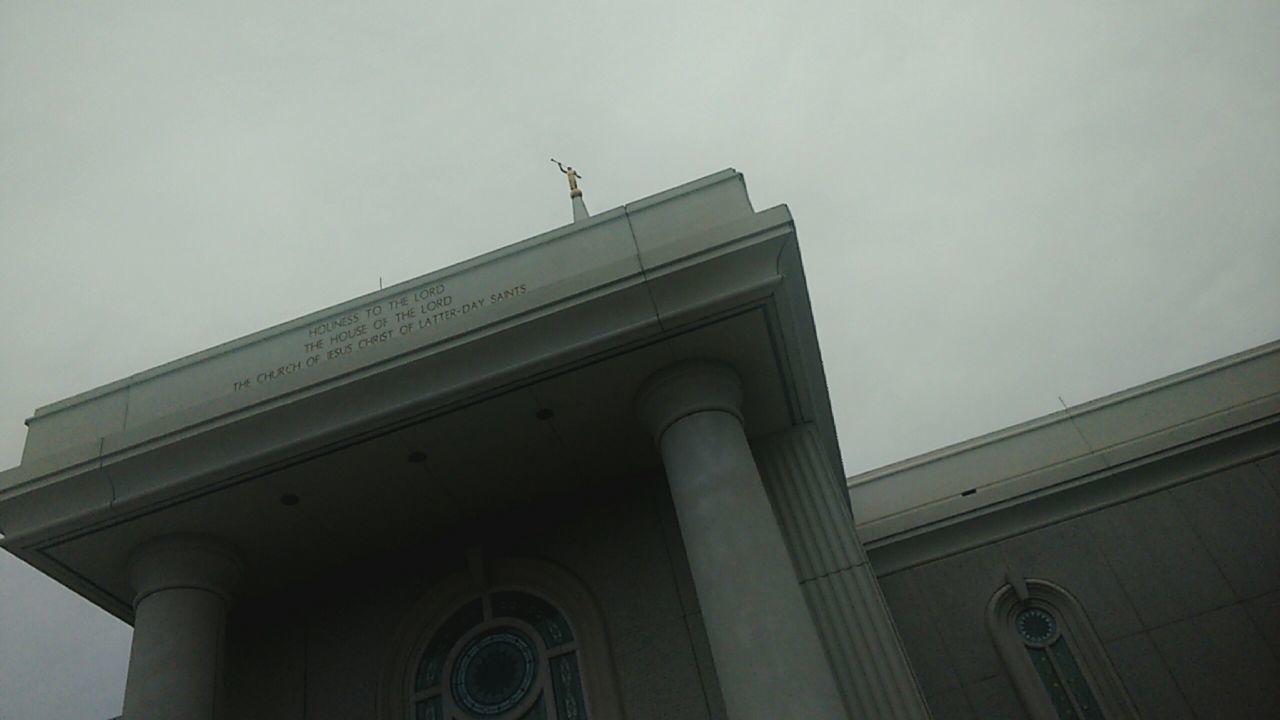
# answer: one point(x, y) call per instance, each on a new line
point(579, 207)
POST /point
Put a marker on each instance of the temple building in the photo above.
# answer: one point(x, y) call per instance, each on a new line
point(594, 475)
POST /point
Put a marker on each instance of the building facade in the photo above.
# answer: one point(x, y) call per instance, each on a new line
point(594, 475)
point(1142, 530)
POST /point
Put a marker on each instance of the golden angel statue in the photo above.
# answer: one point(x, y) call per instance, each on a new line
point(573, 176)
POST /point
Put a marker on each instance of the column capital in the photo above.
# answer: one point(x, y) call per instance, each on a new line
point(203, 562)
point(688, 387)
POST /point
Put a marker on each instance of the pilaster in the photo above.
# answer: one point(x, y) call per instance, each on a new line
point(870, 664)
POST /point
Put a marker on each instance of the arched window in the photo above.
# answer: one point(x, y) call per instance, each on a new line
point(510, 639)
point(505, 654)
point(1054, 658)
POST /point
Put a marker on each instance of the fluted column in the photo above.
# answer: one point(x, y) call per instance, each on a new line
point(853, 620)
point(767, 654)
point(182, 585)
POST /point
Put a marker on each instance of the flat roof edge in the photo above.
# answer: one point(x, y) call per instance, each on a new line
point(1076, 413)
point(387, 292)
point(895, 549)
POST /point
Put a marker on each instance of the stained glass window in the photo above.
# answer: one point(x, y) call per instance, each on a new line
point(1059, 672)
point(564, 677)
point(507, 655)
point(1055, 660)
point(548, 621)
point(431, 666)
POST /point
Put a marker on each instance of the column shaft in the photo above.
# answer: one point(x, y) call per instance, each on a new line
point(175, 664)
point(176, 657)
point(767, 654)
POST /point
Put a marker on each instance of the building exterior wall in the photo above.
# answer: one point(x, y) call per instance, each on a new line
point(1182, 586)
point(319, 653)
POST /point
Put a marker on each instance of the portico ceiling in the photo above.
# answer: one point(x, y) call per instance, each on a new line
point(409, 482)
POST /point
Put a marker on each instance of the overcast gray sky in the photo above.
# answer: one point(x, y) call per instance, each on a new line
point(999, 203)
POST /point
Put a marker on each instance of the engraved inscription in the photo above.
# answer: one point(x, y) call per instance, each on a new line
point(419, 313)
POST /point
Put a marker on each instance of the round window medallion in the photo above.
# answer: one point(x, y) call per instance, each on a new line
point(1036, 626)
point(494, 672)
